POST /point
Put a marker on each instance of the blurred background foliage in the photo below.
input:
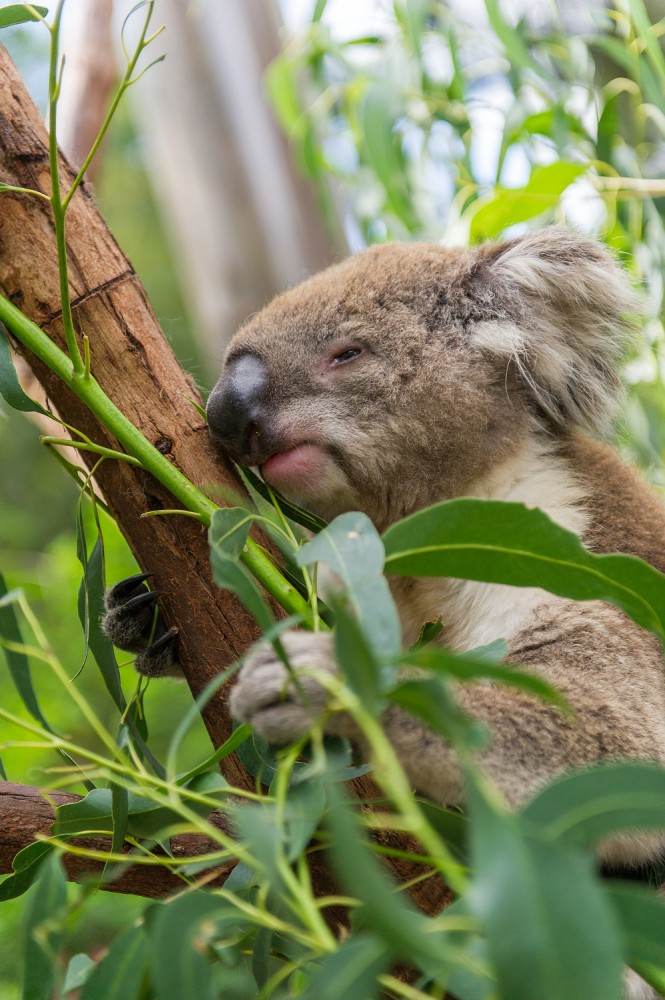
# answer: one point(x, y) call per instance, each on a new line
point(452, 122)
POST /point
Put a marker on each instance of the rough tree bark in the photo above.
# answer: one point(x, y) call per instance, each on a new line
point(26, 812)
point(138, 371)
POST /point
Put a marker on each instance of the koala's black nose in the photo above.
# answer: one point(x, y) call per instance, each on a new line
point(235, 409)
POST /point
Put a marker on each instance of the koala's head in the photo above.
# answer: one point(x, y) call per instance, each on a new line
point(402, 375)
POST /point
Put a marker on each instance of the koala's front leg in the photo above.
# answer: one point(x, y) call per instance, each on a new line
point(278, 708)
point(132, 622)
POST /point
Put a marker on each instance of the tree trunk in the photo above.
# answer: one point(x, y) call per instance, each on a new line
point(138, 371)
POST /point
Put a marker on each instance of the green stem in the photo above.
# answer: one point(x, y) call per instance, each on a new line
point(98, 449)
point(135, 444)
point(124, 84)
point(56, 199)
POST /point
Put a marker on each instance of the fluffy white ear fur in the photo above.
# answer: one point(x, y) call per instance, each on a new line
point(570, 306)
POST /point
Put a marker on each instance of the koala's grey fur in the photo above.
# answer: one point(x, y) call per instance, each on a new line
point(478, 375)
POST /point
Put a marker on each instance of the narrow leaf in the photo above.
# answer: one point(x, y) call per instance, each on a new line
point(10, 387)
point(44, 921)
point(582, 808)
point(120, 974)
point(17, 662)
point(546, 918)
point(351, 546)
point(501, 542)
point(17, 13)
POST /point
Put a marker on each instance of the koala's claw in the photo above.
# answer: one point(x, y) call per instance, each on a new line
point(129, 622)
point(160, 657)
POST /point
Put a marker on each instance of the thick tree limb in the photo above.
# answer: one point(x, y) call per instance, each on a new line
point(138, 371)
point(26, 812)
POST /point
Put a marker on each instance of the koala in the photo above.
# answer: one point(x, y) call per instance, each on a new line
point(412, 373)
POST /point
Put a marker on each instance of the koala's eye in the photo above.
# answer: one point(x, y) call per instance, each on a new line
point(346, 355)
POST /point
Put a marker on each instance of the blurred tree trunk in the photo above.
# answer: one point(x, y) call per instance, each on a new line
point(245, 225)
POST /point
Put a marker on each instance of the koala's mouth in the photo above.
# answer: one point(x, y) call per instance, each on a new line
point(297, 468)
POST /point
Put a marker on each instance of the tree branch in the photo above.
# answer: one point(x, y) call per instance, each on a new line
point(26, 812)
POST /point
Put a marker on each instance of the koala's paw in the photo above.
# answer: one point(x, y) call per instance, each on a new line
point(266, 696)
point(132, 622)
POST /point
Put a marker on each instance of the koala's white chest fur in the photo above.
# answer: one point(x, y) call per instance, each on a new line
point(474, 614)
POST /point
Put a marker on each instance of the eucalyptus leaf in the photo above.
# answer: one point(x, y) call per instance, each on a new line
point(352, 971)
point(78, 970)
point(231, 575)
point(303, 517)
point(465, 667)
point(352, 548)
point(491, 215)
point(10, 387)
point(177, 934)
point(27, 865)
point(17, 661)
point(581, 808)
point(120, 975)
point(500, 542)
point(91, 608)
point(387, 913)
point(18, 13)
point(543, 911)
point(430, 700)
point(229, 528)
point(44, 924)
point(642, 916)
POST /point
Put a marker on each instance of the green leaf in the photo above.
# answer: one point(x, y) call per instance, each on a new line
point(515, 46)
point(359, 663)
point(91, 609)
point(179, 933)
point(120, 974)
point(352, 971)
point(406, 932)
point(78, 970)
point(651, 38)
point(500, 542)
point(27, 865)
point(430, 700)
point(94, 813)
point(380, 108)
point(231, 575)
point(17, 13)
point(505, 207)
point(547, 921)
point(412, 16)
point(469, 667)
point(305, 806)
point(17, 662)
point(429, 633)
point(235, 740)
point(642, 917)
point(580, 809)
point(256, 824)
point(10, 387)
point(119, 816)
point(351, 546)
point(229, 527)
point(44, 923)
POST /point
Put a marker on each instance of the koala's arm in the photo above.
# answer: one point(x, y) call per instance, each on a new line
point(608, 669)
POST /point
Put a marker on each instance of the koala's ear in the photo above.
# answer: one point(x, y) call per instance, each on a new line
point(564, 307)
